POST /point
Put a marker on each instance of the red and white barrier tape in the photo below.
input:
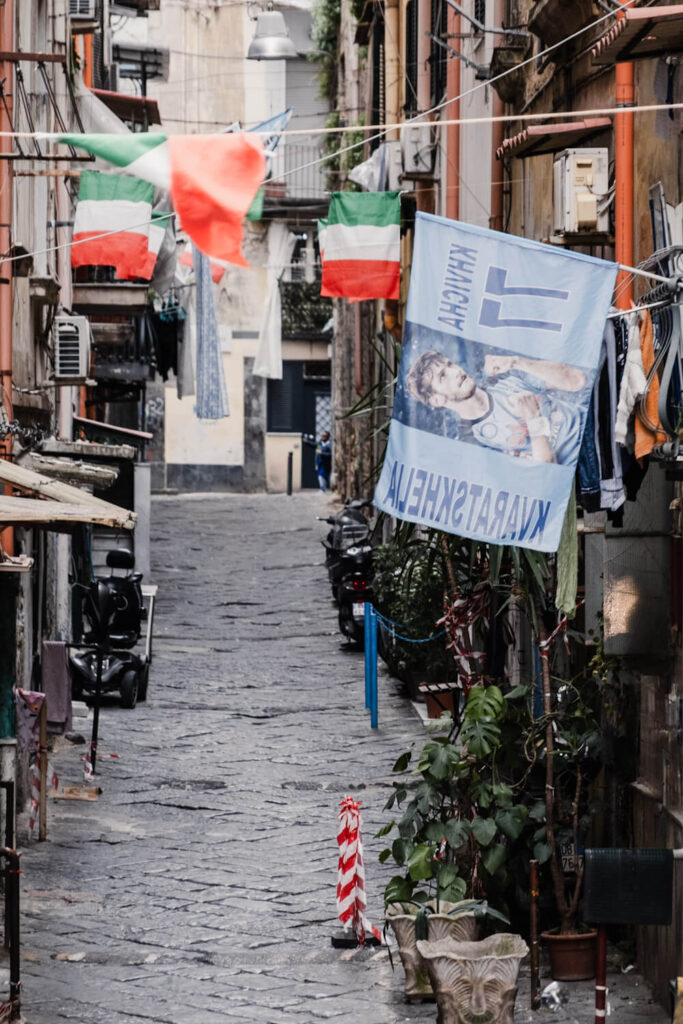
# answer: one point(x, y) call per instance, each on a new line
point(35, 792)
point(35, 797)
point(351, 873)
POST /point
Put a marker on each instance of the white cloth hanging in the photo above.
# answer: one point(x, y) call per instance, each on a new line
point(268, 362)
point(633, 382)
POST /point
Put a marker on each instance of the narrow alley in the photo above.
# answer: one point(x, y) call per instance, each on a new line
point(201, 885)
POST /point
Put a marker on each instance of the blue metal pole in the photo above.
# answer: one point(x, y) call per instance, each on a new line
point(373, 667)
point(367, 628)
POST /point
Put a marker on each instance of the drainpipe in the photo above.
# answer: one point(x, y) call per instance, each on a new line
point(453, 130)
point(497, 134)
point(392, 65)
point(623, 164)
point(425, 192)
point(392, 100)
point(6, 144)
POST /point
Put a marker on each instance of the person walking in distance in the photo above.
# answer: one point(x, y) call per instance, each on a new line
point(323, 460)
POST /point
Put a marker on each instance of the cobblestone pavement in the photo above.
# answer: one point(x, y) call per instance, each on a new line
point(200, 887)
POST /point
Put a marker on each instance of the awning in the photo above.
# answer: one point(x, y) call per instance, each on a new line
point(643, 32)
point(138, 109)
point(552, 138)
point(32, 512)
point(65, 503)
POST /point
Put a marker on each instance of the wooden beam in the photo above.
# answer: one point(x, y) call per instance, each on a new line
point(35, 58)
point(37, 483)
point(45, 156)
point(32, 512)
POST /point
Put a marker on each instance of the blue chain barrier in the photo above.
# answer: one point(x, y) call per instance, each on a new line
point(407, 639)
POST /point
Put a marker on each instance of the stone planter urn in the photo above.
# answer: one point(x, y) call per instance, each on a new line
point(444, 924)
point(475, 982)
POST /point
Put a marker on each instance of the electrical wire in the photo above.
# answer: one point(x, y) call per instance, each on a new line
point(645, 108)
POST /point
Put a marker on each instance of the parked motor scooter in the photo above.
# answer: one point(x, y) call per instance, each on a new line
point(349, 557)
point(355, 589)
point(114, 611)
point(349, 531)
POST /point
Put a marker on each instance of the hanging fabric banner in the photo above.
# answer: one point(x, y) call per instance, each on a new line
point(212, 394)
point(500, 351)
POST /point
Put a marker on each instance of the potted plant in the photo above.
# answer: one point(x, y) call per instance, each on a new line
point(475, 981)
point(563, 747)
point(458, 819)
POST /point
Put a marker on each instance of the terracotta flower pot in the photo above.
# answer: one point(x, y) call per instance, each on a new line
point(452, 927)
point(572, 957)
point(475, 981)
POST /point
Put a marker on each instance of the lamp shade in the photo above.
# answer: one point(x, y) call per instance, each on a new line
point(271, 40)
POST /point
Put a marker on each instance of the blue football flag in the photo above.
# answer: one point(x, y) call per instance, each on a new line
point(275, 126)
point(500, 352)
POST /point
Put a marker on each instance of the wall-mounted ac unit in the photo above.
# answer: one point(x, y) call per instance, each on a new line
point(83, 9)
point(417, 147)
point(394, 162)
point(72, 338)
point(580, 182)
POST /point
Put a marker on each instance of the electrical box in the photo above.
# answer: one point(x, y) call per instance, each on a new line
point(73, 340)
point(83, 9)
point(394, 162)
point(417, 148)
point(580, 191)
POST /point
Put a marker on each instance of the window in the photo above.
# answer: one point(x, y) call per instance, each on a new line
point(438, 53)
point(411, 106)
point(480, 11)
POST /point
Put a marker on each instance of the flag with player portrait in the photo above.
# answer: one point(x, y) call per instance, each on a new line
point(500, 352)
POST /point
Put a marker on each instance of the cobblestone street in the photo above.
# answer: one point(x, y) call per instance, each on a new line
point(200, 887)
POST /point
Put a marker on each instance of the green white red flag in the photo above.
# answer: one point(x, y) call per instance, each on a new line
point(212, 179)
point(114, 203)
point(362, 240)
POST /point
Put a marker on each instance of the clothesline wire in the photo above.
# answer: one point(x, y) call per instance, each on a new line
point(641, 108)
point(131, 227)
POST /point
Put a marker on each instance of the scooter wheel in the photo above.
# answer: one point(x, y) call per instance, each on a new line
point(129, 689)
point(349, 627)
point(143, 683)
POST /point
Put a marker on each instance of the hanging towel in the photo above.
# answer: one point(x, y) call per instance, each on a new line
point(568, 562)
point(633, 381)
point(268, 362)
point(646, 437)
point(212, 394)
point(612, 493)
point(56, 686)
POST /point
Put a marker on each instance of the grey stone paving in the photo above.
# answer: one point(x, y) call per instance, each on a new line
point(200, 888)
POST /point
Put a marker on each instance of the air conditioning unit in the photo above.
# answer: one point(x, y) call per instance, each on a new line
point(417, 147)
point(83, 10)
point(580, 182)
point(394, 163)
point(73, 339)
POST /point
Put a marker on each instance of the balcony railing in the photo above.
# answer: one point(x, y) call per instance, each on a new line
point(297, 172)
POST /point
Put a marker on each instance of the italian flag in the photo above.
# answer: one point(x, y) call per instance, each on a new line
point(113, 203)
point(157, 230)
point(212, 179)
point(361, 249)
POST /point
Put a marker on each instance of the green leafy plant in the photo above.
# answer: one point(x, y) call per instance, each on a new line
point(458, 814)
